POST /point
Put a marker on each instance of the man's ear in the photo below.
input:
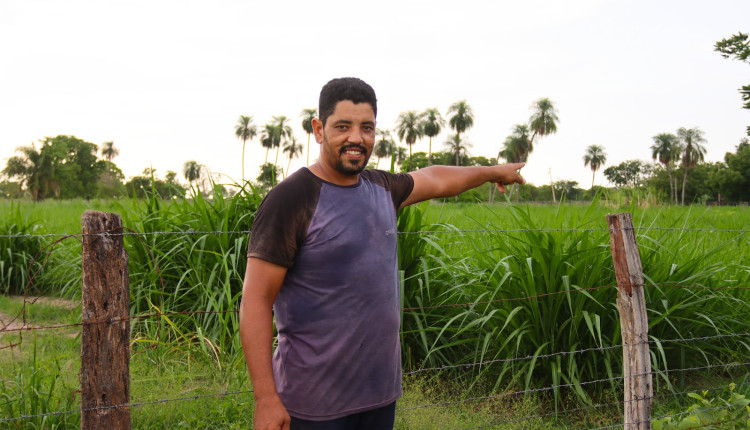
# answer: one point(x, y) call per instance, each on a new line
point(317, 126)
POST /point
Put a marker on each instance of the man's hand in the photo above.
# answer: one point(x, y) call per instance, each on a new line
point(270, 414)
point(508, 174)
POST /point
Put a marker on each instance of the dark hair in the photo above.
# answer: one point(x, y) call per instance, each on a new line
point(354, 89)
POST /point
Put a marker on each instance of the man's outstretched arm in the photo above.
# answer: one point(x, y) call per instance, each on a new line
point(262, 283)
point(446, 181)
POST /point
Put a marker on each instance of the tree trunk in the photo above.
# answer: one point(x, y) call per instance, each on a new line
point(429, 153)
point(308, 149)
point(671, 187)
point(684, 183)
point(243, 162)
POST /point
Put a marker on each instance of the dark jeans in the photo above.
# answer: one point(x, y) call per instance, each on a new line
point(376, 419)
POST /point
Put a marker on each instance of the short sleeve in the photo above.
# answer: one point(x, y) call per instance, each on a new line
point(400, 185)
point(283, 218)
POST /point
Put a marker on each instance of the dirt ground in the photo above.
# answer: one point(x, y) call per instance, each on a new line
point(10, 323)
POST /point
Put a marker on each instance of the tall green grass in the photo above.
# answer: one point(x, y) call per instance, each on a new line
point(188, 258)
point(510, 291)
point(471, 294)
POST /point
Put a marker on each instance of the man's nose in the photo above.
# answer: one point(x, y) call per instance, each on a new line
point(355, 136)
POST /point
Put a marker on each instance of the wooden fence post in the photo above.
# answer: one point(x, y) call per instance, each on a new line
point(631, 304)
point(105, 333)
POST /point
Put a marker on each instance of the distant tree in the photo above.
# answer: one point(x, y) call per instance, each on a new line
point(269, 138)
point(307, 116)
point(543, 121)
point(292, 149)
point(739, 164)
point(33, 169)
point(461, 118)
point(64, 166)
point(409, 128)
point(398, 156)
point(431, 123)
point(594, 157)
point(192, 171)
point(629, 173)
point(384, 145)
point(244, 130)
point(737, 46)
point(108, 151)
point(693, 152)
point(459, 148)
point(268, 176)
point(515, 148)
point(667, 149)
point(284, 133)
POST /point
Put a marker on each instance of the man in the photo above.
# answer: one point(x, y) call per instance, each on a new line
point(323, 254)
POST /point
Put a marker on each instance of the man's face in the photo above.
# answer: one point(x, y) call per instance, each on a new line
point(348, 137)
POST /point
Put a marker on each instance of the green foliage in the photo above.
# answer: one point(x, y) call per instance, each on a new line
point(34, 390)
point(19, 256)
point(188, 271)
point(471, 288)
point(631, 173)
point(714, 413)
point(738, 47)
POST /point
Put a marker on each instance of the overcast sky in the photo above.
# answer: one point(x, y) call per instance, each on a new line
point(167, 80)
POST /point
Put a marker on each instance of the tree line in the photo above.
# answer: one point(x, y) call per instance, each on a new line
point(66, 167)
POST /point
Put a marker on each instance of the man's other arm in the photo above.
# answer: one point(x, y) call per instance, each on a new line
point(446, 181)
point(261, 285)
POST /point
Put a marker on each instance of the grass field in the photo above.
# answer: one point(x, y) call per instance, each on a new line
point(464, 267)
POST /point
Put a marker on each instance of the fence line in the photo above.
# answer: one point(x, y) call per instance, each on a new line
point(119, 232)
point(448, 231)
point(424, 406)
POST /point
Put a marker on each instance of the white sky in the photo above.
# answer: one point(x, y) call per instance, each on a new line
point(167, 80)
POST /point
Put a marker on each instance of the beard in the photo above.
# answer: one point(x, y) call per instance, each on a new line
point(351, 168)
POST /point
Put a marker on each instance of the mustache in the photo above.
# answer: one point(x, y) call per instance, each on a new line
point(355, 146)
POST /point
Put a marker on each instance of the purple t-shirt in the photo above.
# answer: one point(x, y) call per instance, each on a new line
point(337, 313)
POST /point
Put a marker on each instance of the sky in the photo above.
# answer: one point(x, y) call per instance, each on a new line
point(167, 80)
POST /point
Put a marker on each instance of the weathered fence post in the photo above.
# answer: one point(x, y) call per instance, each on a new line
point(105, 332)
point(631, 303)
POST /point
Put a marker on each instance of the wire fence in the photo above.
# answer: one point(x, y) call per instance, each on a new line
point(19, 324)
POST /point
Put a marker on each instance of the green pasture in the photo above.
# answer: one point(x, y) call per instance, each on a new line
point(469, 328)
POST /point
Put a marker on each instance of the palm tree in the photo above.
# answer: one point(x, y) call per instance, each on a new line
point(667, 150)
point(383, 146)
point(515, 148)
point(268, 139)
point(34, 170)
point(458, 147)
point(432, 124)
point(462, 118)
point(245, 129)
point(543, 121)
point(307, 116)
point(694, 152)
point(293, 149)
point(284, 132)
point(408, 128)
point(192, 171)
point(594, 157)
point(109, 152)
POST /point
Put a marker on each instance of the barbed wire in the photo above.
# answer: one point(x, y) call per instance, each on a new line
point(442, 231)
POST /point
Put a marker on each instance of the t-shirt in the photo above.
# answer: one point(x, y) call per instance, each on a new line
point(337, 313)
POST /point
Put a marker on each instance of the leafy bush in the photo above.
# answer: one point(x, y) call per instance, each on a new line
point(716, 413)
